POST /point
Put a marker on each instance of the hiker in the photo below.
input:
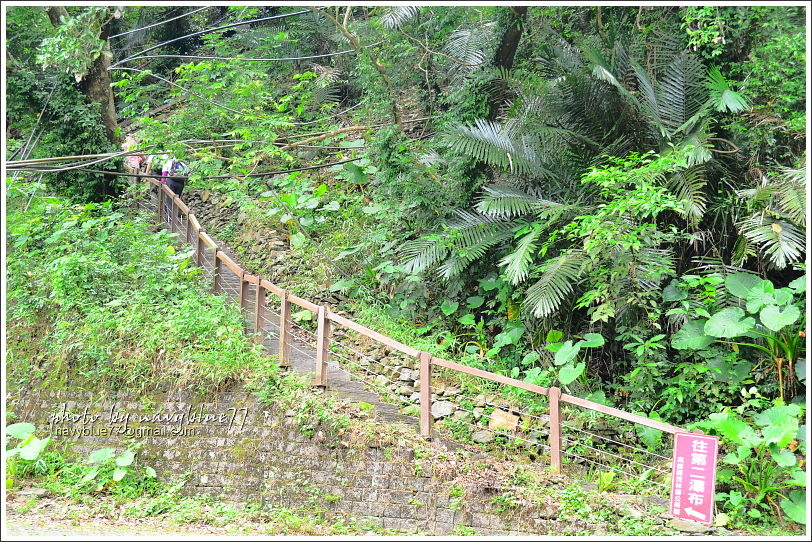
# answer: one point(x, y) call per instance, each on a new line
point(169, 174)
point(134, 163)
point(173, 174)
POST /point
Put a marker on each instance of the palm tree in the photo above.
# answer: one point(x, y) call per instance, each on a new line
point(591, 104)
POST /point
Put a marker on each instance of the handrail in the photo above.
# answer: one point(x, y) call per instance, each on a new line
point(392, 343)
point(426, 361)
point(231, 264)
point(488, 375)
point(642, 420)
point(304, 303)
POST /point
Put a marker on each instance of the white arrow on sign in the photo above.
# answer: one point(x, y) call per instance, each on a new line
point(694, 513)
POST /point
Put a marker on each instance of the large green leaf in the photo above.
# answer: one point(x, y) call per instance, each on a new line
point(102, 454)
point(799, 284)
point(449, 307)
point(355, 174)
point(775, 319)
point(759, 295)
point(91, 474)
point(20, 430)
point(568, 373)
point(118, 474)
point(566, 353)
point(592, 340)
point(784, 458)
point(739, 284)
point(34, 447)
point(674, 293)
point(125, 459)
point(779, 424)
point(729, 322)
point(648, 435)
point(732, 429)
point(691, 336)
point(795, 506)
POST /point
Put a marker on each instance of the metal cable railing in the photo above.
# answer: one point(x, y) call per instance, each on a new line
point(291, 337)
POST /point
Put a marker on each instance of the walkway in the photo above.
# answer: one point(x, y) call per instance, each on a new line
point(303, 351)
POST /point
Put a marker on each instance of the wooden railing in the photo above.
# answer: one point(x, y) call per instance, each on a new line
point(326, 318)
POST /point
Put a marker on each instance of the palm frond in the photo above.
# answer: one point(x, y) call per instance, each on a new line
point(790, 192)
point(781, 242)
point(494, 144)
point(467, 47)
point(517, 263)
point(396, 16)
point(423, 253)
point(681, 91)
point(558, 276)
point(504, 201)
point(722, 96)
point(689, 186)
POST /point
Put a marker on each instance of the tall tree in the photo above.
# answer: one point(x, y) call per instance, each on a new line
point(89, 32)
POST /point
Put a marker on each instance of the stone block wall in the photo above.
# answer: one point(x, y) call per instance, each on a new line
point(230, 446)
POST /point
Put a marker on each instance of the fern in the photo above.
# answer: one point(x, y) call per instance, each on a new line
point(423, 253)
point(558, 276)
point(780, 241)
point(517, 263)
point(396, 16)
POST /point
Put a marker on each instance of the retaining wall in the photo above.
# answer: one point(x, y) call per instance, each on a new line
point(232, 447)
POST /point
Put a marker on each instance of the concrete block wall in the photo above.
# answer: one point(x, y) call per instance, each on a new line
point(234, 448)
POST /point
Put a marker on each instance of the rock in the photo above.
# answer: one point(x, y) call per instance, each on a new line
point(549, 511)
point(405, 390)
point(482, 437)
point(442, 409)
point(415, 397)
point(450, 391)
point(688, 526)
point(381, 381)
point(501, 419)
point(405, 374)
point(461, 415)
point(34, 492)
point(478, 412)
point(204, 196)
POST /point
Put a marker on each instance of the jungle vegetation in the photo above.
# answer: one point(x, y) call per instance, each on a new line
point(520, 177)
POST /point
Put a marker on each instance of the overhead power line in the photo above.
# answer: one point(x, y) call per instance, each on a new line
point(160, 23)
point(244, 59)
point(207, 31)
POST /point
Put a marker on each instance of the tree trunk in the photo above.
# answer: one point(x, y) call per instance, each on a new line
point(96, 84)
point(506, 53)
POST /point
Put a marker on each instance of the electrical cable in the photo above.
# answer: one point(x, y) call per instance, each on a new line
point(160, 23)
point(244, 59)
point(207, 31)
point(183, 89)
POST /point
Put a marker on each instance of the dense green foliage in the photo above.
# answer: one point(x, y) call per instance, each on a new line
point(94, 296)
point(569, 195)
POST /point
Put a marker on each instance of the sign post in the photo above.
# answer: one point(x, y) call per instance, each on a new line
point(693, 477)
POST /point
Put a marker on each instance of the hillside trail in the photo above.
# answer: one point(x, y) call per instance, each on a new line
point(340, 381)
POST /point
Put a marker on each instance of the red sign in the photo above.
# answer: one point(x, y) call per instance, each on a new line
point(693, 477)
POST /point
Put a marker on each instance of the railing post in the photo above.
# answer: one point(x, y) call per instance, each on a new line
point(555, 429)
point(173, 218)
point(425, 394)
point(243, 288)
point(160, 205)
point(322, 346)
point(199, 249)
point(217, 267)
point(284, 331)
point(259, 307)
